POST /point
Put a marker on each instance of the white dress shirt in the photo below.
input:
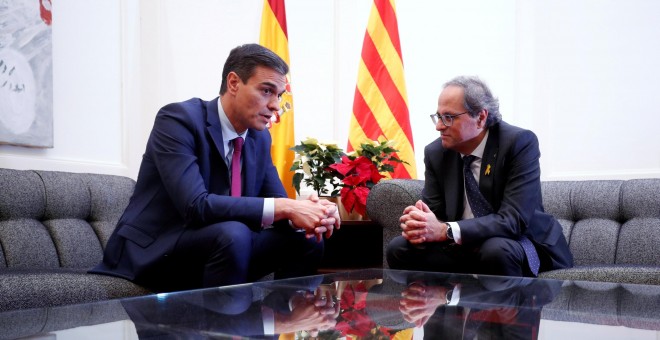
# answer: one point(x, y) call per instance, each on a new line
point(228, 134)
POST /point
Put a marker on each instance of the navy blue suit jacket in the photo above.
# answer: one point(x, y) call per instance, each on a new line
point(184, 182)
point(512, 186)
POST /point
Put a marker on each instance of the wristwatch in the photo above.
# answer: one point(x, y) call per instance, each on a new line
point(450, 234)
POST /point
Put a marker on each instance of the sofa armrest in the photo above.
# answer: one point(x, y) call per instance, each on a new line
point(386, 202)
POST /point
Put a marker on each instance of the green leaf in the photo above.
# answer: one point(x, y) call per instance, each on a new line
point(297, 177)
point(298, 148)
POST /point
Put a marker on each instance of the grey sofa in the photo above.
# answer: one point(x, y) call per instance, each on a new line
point(606, 303)
point(53, 228)
point(612, 226)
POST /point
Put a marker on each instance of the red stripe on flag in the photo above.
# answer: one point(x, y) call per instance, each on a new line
point(400, 170)
point(386, 85)
point(388, 16)
point(365, 118)
point(280, 14)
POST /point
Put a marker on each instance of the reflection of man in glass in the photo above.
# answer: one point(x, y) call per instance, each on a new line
point(233, 312)
point(486, 306)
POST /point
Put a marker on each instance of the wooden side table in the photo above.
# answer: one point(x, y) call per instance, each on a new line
point(357, 245)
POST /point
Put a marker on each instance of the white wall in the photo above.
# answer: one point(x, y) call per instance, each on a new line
point(87, 97)
point(581, 75)
point(592, 87)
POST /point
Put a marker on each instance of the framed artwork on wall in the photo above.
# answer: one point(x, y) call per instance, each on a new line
point(26, 73)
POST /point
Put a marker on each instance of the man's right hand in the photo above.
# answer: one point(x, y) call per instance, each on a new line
point(419, 302)
point(419, 225)
point(332, 220)
point(313, 312)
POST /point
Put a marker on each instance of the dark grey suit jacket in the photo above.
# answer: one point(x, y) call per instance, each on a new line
point(512, 186)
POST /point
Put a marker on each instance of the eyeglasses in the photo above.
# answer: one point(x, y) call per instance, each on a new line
point(446, 119)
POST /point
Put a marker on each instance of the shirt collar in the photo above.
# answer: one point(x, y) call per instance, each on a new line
point(479, 150)
point(228, 132)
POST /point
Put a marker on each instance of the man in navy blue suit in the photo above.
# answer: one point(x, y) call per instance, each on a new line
point(493, 221)
point(479, 306)
point(184, 227)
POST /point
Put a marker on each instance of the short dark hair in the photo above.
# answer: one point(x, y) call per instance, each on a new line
point(477, 96)
point(245, 58)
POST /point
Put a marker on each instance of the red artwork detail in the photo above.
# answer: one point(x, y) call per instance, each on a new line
point(45, 7)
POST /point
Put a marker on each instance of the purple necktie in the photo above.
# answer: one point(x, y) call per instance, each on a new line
point(481, 207)
point(236, 167)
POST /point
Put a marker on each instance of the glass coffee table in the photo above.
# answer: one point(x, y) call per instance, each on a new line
point(362, 304)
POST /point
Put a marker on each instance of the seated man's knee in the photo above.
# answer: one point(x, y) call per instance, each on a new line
point(501, 256)
point(232, 238)
point(229, 302)
point(232, 231)
point(396, 252)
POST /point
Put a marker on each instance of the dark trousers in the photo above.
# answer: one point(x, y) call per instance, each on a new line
point(230, 252)
point(496, 256)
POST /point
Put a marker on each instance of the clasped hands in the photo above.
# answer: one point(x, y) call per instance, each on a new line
point(419, 225)
point(419, 302)
point(310, 311)
point(317, 217)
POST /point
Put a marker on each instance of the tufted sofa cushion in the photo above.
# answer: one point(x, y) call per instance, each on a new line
point(612, 227)
point(53, 228)
point(36, 323)
point(606, 303)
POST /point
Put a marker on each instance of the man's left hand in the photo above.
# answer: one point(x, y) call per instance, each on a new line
point(420, 225)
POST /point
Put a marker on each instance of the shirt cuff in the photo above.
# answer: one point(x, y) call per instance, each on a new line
point(456, 232)
point(268, 316)
point(268, 216)
point(455, 296)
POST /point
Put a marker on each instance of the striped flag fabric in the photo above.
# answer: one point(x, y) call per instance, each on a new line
point(380, 106)
point(273, 35)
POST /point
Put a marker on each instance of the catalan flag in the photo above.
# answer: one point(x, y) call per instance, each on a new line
point(380, 106)
point(274, 37)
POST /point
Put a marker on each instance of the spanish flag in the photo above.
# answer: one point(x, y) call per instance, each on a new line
point(274, 37)
point(380, 106)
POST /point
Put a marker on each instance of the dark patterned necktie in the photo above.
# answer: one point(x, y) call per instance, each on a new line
point(480, 207)
point(236, 167)
point(478, 203)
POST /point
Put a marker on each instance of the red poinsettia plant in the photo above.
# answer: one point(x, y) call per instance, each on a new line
point(359, 175)
point(353, 319)
point(360, 171)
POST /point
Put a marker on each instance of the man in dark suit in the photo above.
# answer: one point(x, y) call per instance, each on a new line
point(186, 226)
point(492, 222)
point(235, 312)
point(466, 306)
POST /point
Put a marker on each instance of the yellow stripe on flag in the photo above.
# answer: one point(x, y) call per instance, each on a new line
point(394, 65)
point(376, 102)
point(393, 131)
point(380, 107)
point(273, 36)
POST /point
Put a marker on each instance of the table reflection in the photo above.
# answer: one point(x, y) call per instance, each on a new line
point(394, 305)
point(468, 307)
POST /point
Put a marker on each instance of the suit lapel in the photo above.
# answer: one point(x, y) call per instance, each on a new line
point(454, 185)
point(488, 162)
point(213, 126)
